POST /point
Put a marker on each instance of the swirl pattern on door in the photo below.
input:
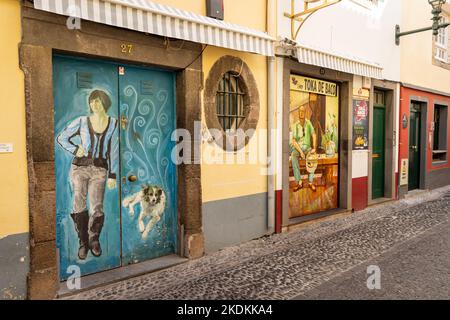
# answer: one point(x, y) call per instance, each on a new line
point(147, 130)
point(149, 215)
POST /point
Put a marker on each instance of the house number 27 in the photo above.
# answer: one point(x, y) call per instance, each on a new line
point(126, 48)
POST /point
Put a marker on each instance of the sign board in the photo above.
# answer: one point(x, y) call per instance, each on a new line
point(304, 84)
point(360, 125)
point(6, 148)
point(404, 172)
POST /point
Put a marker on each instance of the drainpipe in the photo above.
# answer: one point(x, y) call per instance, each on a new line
point(271, 97)
point(279, 144)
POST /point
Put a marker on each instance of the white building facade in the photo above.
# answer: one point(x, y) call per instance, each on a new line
point(336, 107)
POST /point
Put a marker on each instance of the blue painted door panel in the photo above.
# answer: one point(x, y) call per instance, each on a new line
point(147, 110)
point(141, 216)
point(74, 80)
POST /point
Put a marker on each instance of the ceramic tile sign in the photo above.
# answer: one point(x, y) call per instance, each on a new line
point(360, 125)
point(404, 173)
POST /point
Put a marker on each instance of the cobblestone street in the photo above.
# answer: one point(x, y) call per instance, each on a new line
point(409, 240)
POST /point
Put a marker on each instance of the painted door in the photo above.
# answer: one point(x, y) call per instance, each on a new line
point(414, 149)
point(378, 154)
point(313, 146)
point(116, 183)
point(80, 190)
point(147, 172)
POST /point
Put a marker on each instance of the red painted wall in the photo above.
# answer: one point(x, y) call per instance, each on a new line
point(359, 193)
point(405, 98)
point(278, 210)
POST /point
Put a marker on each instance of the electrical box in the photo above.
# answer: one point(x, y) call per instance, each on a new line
point(214, 9)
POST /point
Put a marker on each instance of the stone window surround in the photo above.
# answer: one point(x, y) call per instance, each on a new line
point(251, 100)
point(45, 34)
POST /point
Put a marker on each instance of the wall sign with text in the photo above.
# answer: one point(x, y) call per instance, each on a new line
point(304, 84)
point(404, 172)
point(360, 125)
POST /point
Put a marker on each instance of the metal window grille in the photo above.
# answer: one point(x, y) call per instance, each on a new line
point(230, 102)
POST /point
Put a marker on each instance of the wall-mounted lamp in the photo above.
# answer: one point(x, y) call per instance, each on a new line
point(436, 12)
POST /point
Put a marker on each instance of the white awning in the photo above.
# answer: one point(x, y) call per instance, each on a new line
point(338, 62)
point(154, 18)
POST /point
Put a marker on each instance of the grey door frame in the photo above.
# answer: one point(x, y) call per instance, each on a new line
point(391, 89)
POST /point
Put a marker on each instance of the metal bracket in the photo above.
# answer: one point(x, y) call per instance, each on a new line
point(307, 12)
point(399, 34)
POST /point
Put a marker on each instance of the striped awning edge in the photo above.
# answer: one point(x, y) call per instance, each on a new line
point(340, 63)
point(162, 20)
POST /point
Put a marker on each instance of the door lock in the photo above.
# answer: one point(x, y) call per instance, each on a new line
point(132, 178)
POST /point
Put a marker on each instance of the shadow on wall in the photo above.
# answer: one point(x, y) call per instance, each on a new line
point(234, 221)
point(14, 266)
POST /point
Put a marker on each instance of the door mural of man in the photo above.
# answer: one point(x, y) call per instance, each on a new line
point(304, 143)
point(314, 146)
point(90, 140)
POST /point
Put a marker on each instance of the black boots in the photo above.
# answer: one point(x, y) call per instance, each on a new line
point(88, 231)
point(81, 221)
point(95, 227)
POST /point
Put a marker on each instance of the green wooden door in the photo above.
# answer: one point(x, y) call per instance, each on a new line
point(414, 149)
point(378, 154)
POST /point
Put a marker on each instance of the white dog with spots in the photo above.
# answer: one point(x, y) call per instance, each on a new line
point(152, 200)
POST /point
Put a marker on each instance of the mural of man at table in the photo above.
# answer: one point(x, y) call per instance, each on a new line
point(304, 141)
point(314, 146)
point(90, 140)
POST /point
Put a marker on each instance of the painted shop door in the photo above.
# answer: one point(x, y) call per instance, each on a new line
point(378, 154)
point(414, 148)
point(115, 181)
point(313, 146)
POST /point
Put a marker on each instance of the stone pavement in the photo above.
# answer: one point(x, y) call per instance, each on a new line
point(300, 264)
point(415, 269)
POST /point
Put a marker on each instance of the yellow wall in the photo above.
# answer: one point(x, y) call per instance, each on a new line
point(417, 49)
point(218, 181)
point(235, 180)
point(231, 180)
point(250, 13)
point(13, 166)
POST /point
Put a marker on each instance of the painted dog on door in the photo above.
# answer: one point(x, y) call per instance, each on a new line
point(152, 200)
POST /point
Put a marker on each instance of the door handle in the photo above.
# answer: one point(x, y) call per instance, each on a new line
point(375, 156)
point(132, 178)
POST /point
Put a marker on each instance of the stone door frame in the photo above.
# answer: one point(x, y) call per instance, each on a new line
point(44, 34)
